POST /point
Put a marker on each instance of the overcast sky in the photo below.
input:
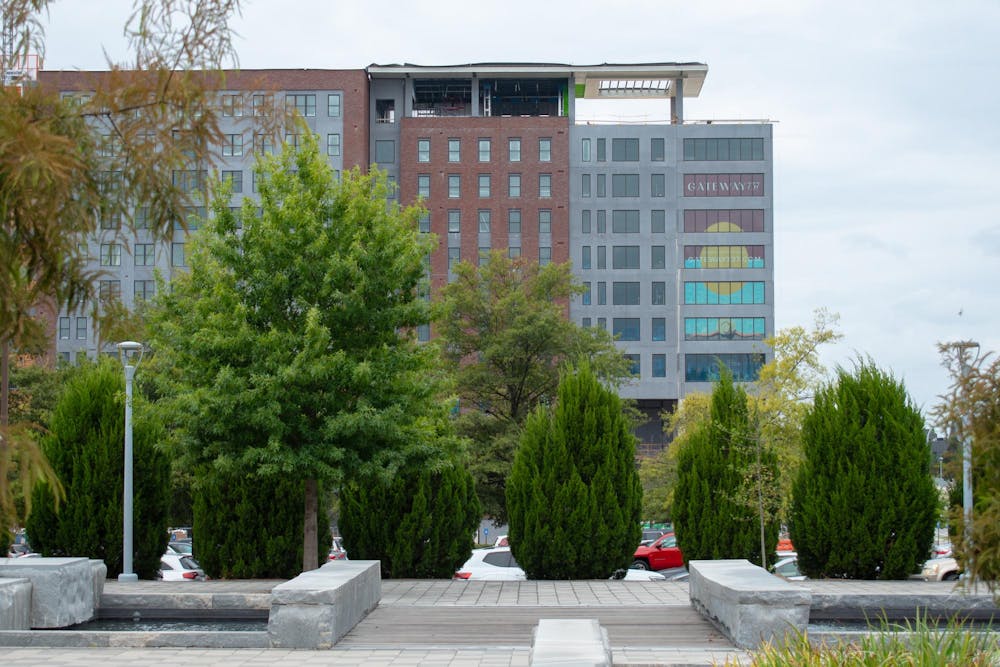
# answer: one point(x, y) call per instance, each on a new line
point(886, 136)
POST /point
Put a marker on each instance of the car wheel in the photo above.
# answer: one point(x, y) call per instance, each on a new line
point(951, 576)
point(640, 565)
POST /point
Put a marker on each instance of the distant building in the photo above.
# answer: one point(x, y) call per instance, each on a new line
point(669, 225)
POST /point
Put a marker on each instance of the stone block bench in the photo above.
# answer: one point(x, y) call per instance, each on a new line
point(317, 608)
point(15, 604)
point(64, 591)
point(580, 642)
point(750, 605)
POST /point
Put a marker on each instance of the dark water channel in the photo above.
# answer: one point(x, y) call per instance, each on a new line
point(173, 625)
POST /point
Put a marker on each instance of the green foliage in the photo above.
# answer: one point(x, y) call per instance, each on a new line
point(504, 327)
point(720, 466)
point(34, 390)
point(864, 505)
point(288, 349)
point(86, 449)
point(250, 527)
point(419, 523)
point(574, 495)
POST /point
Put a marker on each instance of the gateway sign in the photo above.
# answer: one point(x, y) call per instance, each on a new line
point(723, 185)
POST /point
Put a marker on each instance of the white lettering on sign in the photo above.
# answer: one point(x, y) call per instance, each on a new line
point(724, 185)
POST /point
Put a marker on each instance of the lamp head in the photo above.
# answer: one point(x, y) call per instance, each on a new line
point(130, 352)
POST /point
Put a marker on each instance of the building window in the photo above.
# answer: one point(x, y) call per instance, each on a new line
point(624, 150)
point(724, 149)
point(143, 290)
point(723, 257)
point(81, 328)
point(659, 293)
point(658, 221)
point(514, 251)
point(625, 328)
point(177, 254)
point(454, 221)
point(602, 222)
point(423, 332)
point(602, 293)
point(658, 185)
point(602, 257)
point(423, 150)
point(585, 323)
point(625, 257)
point(514, 221)
point(304, 104)
point(586, 293)
point(656, 149)
point(657, 257)
point(144, 254)
point(634, 367)
point(544, 255)
point(716, 220)
point(514, 185)
point(585, 258)
point(602, 150)
point(454, 186)
point(625, 222)
point(545, 150)
point(234, 179)
point(263, 143)
point(424, 185)
point(584, 185)
point(232, 145)
point(109, 290)
point(724, 293)
point(385, 151)
point(585, 150)
point(232, 105)
point(262, 105)
point(483, 256)
point(484, 185)
point(111, 219)
point(659, 333)
point(111, 254)
point(385, 111)
point(602, 323)
point(333, 145)
point(514, 150)
point(625, 185)
point(424, 223)
point(333, 105)
point(142, 217)
point(484, 150)
point(544, 186)
point(293, 139)
point(485, 218)
point(454, 150)
point(602, 185)
point(624, 293)
point(545, 221)
point(705, 367)
point(454, 257)
point(64, 328)
point(659, 365)
point(585, 222)
point(723, 328)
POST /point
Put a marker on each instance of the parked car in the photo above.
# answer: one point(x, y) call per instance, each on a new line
point(501, 541)
point(650, 535)
point(788, 567)
point(337, 551)
point(660, 555)
point(491, 564)
point(182, 547)
point(177, 567)
point(941, 569)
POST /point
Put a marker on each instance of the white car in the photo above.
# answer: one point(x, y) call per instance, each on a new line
point(178, 567)
point(491, 564)
point(788, 567)
point(940, 569)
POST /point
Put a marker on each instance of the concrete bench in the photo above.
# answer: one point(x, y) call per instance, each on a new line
point(750, 605)
point(317, 608)
point(64, 591)
point(15, 604)
point(570, 641)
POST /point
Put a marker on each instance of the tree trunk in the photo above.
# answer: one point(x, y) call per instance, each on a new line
point(310, 546)
point(4, 382)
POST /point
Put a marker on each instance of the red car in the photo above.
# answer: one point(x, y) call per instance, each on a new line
point(660, 555)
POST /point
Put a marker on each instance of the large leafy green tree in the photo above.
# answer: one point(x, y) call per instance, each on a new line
point(288, 347)
point(864, 505)
point(503, 325)
point(86, 448)
point(716, 508)
point(574, 495)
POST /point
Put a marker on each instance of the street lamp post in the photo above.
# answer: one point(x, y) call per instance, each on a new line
point(130, 353)
point(967, 442)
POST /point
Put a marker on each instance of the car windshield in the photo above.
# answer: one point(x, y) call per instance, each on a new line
point(668, 541)
point(190, 563)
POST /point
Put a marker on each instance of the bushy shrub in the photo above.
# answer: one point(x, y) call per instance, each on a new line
point(86, 449)
point(574, 496)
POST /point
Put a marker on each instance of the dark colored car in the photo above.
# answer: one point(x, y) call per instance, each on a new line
point(660, 555)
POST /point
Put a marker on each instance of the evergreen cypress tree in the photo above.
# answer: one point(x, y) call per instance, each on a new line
point(574, 495)
point(419, 524)
point(713, 509)
point(864, 504)
point(86, 449)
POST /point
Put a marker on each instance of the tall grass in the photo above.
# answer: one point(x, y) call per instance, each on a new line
point(915, 643)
